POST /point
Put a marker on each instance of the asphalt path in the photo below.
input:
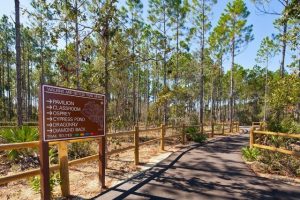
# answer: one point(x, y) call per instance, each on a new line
point(214, 170)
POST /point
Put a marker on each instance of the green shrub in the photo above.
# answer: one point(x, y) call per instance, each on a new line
point(18, 135)
point(35, 183)
point(279, 163)
point(194, 135)
point(250, 154)
point(287, 125)
point(290, 126)
point(23, 134)
point(197, 137)
point(191, 129)
point(53, 155)
point(80, 150)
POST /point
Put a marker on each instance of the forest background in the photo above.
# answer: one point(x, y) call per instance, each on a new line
point(158, 61)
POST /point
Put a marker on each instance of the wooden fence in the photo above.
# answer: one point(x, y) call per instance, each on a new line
point(218, 128)
point(14, 124)
point(260, 125)
point(258, 131)
point(63, 152)
point(64, 163)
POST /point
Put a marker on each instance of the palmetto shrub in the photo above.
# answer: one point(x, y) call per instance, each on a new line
point(250, 154)
point(19, 135)
point(192, 134)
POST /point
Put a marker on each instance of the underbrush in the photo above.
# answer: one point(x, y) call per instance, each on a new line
point(35, 182)
point(250, 154)
point(80, 149)
point(24, 158)
point(27, 157)
point(272, 162)
point(275, 162)
point(287, 125)
point(194, 135)
point(278, 163)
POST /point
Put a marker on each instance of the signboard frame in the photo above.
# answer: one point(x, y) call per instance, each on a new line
point(64, 88)
point(44, 144)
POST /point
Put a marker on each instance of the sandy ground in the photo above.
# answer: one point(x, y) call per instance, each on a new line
point(84, 182)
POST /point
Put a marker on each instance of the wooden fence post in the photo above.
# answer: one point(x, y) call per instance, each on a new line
point(260, 126)
point(136, 145)
point(162, 137)
point(251, 137)
point(102, 161)
point(223, 128)
point(238, 126)
point(64, 168)
point(44, 168)
point(212, 129)
point(183, 134)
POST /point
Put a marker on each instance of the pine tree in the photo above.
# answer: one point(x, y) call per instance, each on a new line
point(7, 53)
point(133, 18)
point(159, 11)
point(235, 21)
point(283, 22)
point(267, 50)
point(201, 25)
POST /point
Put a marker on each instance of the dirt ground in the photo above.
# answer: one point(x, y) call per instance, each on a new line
point(84, 182)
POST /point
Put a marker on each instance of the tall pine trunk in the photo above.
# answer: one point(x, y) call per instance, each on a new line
point(231, 84)
point(18, 63)
point(201, 111)
point(9, 102)
point(77, 46)
point(283, 48)
point(165, 117)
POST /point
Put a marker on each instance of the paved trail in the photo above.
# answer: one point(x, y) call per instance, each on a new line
point(211, 171)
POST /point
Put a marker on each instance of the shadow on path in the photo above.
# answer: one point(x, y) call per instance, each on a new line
point(213, 170)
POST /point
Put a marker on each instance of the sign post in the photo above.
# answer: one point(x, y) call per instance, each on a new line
point(44, 156)
point(66, 114)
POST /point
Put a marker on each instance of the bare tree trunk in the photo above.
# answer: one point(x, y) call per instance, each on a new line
point(266, 90)
point(77, 46)
point(23, 84)
point(148, 97)
point(66, 43)
point(220, 88)
point(177, 48)
point(29, 114)
point(212, 111)
point(283, 49)
point(165, 118)
point(9, 103)
point(42, 78)
point(138, 97)
point(232, 83)
point(18, 63)
point(134, 96)
point(298, 106)
point(201, 112)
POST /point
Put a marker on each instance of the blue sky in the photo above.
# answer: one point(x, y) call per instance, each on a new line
point(262, 27)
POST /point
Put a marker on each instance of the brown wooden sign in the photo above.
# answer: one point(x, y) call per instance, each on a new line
point(70, 114)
